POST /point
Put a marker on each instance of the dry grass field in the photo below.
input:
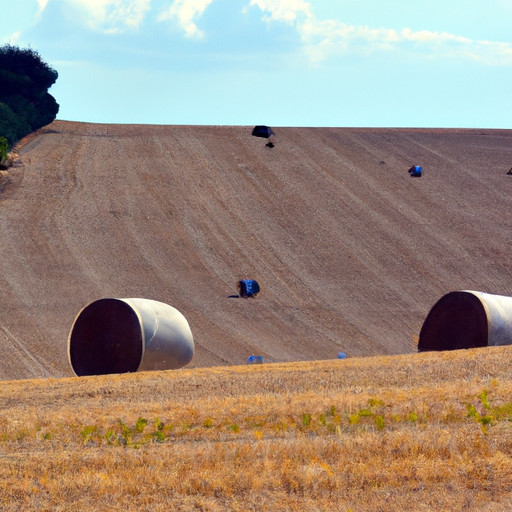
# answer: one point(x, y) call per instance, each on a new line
point(422, 432)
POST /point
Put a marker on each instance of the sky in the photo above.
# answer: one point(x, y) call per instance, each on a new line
point(346, 63)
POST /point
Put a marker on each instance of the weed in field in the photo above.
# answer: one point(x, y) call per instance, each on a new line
point(412, 417)
point(353, 419)
point(126, 433)
point(372, 412)
point(111, 437)
point(158, 436)
point(484, 400)
point(87, 433)
point(141, 425)
point(373, 416)
point(379, 422)
point(488, 417)
point(306, 419)
point(281, 426)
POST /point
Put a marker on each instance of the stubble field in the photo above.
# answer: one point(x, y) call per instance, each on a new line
point(421, 432)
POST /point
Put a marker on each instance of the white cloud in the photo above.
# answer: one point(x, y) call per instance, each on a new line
point(186, 13)
point(429, 37)
point(493, 53)
point(111, 16)
point(323, 39)
point(42, 4)
point(287, 11)
point(14, 37)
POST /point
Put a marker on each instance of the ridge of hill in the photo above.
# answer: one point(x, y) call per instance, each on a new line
point(349, 250)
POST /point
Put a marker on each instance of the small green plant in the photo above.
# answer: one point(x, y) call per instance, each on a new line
point(353, 419)
point(126, 433)
point(281, 426)
point(484, 419)
point(141, 425)
point(111, 437)
point(158, 436)
point(484, 400)
point(87, 432)
point(379, 422)
point(369, 413)
point(306, 419)
point(412, 417)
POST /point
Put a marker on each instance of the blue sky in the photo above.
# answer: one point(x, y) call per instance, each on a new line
point(375, 63)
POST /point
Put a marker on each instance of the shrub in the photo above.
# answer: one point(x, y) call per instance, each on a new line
point(25, 104)
point(12, 127)
point(4, 148)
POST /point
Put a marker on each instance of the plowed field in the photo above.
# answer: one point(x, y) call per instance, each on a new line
point(349, 250)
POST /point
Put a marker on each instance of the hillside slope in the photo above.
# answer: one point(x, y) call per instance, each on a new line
point(349, 250)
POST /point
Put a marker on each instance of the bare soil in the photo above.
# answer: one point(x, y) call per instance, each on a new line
point(349, 250)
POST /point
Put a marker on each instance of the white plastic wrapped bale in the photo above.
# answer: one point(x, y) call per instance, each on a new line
point(128, 335)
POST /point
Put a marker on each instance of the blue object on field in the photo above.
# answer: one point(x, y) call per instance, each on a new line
point(342, 355)
point(255, 359)
point(248, 287)
point(415, 171)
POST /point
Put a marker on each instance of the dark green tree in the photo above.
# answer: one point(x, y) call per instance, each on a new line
point(25, 104)
point(4, 148)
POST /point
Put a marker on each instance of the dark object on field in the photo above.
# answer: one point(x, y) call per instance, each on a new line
point(262, 131)
point(415, 171)
point(248, 287)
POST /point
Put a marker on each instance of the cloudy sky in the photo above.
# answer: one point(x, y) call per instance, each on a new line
point(378, 63)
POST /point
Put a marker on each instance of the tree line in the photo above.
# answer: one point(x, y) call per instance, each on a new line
point(25, 103)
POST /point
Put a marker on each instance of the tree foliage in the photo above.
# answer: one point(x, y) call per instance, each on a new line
point(25, 104)
point(4, 148)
